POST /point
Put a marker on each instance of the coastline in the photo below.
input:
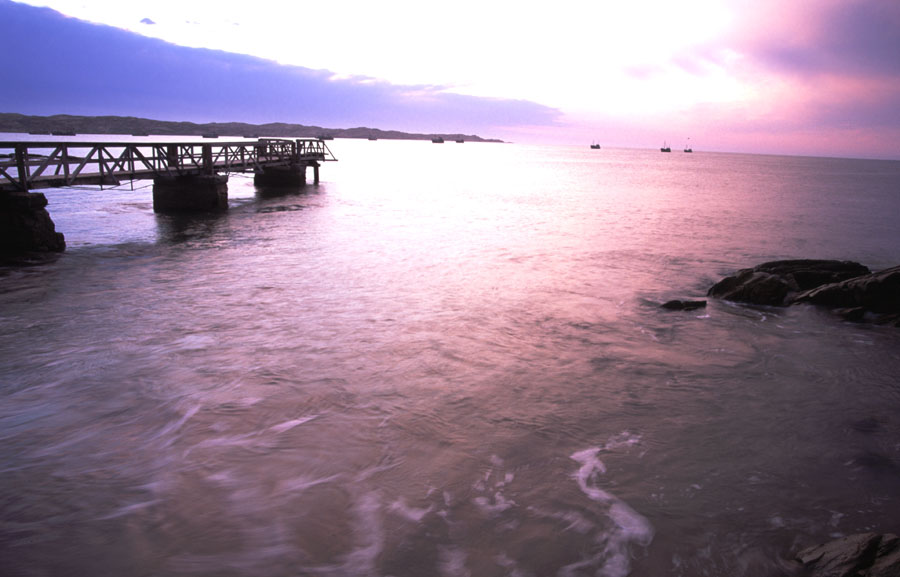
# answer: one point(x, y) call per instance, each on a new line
point(130, 125)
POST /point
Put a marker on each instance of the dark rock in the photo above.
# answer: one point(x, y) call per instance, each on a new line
point(751, 286)
point(887, 559)
point(677, 305)
point(848, 288)
point(852, 314)
point(25, 225)
point(877, 293)
point(862, 555)
point(775, 283)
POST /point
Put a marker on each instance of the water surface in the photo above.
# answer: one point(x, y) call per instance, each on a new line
point(450, 360)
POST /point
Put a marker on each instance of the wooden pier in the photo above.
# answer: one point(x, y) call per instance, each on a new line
point(28, 166)
point(187, 176)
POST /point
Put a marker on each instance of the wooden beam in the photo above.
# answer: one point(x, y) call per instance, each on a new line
point(21, 153)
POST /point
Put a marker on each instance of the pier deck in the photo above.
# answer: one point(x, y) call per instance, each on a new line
point(26, 165)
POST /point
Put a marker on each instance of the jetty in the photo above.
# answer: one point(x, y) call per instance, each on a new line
point(186, 166)
point(187, 176)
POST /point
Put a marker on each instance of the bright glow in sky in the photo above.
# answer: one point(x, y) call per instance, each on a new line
point(578, 55)
point(729, 73)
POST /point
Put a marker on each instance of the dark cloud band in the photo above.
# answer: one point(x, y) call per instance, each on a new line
point(75, 67)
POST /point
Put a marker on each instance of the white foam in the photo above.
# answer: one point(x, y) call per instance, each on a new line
point(195, 342)
point(574, 520)
point(174, 426)
point(223, 477)
point(591, 466)
point(247, 439)
point(369, 536)
point(129, 509)
point(452, 562)
point(303, 483)
point(410, 513)
point(503, 560)
point(288, 425)
point(497, 503)
point(628, 526)
point(361, 561)
point(632, 525)
point(495, 506)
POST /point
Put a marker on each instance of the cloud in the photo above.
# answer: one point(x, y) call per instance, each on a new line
point(820, 76)
point(841, 70)
point(865, 37)
point(855, 37)
point(147, 21)
point(76, 67)
point(749, 75)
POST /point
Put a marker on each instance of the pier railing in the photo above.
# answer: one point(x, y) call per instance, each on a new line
point(31, 165)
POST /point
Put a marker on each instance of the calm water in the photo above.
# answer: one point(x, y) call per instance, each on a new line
point(449, 360)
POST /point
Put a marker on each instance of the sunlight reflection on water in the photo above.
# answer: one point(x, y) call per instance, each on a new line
point(448, 360)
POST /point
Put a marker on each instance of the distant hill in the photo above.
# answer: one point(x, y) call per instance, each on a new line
point(12, 122)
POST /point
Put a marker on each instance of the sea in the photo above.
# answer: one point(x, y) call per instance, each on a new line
point(450, 360)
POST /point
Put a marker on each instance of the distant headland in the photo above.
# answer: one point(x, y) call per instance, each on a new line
point(130, 125)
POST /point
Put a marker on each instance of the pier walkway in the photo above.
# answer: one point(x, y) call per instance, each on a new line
point(187, 177)
point(26, 165)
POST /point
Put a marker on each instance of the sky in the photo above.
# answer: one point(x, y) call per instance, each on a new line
point(806, 77)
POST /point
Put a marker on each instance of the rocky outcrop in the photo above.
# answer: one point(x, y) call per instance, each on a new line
point(777, 283)
point(25, 225)
point(863, 555)
point(876, 294)
point(847, 287)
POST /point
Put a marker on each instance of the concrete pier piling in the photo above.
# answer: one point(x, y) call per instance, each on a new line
point(281, 176)
point(190, 193)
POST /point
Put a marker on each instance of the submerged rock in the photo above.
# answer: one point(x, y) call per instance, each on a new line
point(862, 555)
point(848, 288)
point(677, 305)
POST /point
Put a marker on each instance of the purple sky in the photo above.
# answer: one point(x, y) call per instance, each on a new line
point(72, 67)
point(816, 77)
